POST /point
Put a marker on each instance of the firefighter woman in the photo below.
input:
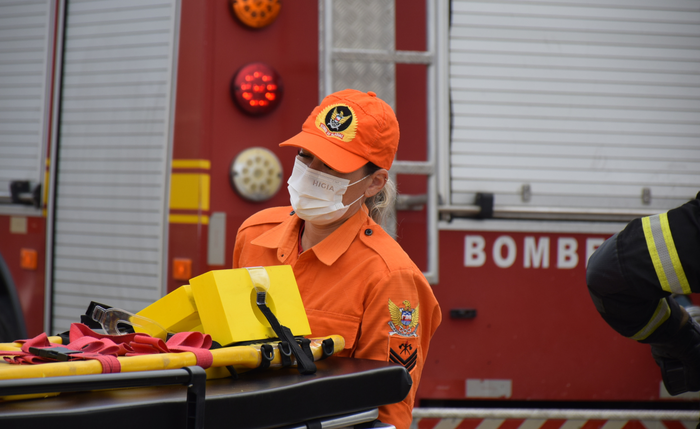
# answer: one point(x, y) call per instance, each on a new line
point(354, 279)
point(631, 279)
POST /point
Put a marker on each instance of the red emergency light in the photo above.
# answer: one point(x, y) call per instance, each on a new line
point(256, 88)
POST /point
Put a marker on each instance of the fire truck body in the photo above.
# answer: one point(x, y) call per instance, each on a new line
point(530, 132)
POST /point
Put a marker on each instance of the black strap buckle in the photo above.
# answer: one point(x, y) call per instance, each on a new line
point(305, 365)
point(59, 353)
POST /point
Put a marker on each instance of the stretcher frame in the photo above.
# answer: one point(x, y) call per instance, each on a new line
point(343, 392)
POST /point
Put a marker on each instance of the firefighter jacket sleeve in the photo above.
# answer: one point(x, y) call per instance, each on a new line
point(397, 324)
point(632, 276)
point(357, 283)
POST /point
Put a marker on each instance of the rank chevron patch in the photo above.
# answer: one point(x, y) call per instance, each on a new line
point(404, 351)
point(409, 362)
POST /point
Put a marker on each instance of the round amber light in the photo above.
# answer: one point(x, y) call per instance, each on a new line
point(256, 13)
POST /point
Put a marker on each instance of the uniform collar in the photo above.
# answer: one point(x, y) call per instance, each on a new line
point(284, 238)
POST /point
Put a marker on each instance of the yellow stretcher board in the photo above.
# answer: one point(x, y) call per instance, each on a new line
point(221, 303)
point(242, 358)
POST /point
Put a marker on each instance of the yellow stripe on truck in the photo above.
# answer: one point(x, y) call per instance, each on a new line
point(203, 164)
point(185, 218)
point(189, 191)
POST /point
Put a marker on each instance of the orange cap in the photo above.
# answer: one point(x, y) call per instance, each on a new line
point(349, 129)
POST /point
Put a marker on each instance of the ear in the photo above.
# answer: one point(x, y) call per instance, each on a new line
point(379, 179)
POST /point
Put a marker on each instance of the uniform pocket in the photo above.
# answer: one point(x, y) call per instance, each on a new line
point(325, 323)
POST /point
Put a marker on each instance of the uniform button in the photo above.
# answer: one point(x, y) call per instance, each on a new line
point(291, 213)
point(368, 232)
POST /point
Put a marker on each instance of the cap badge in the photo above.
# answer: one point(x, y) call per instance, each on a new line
point(337, 120)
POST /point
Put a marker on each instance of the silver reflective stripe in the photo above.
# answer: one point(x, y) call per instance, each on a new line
point(661, 314)
point(664, 257)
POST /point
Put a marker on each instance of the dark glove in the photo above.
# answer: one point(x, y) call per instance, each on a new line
point(679, 359)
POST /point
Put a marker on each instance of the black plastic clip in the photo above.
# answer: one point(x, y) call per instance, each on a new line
point(267, 353)
point(328, 347)
point(285, 353)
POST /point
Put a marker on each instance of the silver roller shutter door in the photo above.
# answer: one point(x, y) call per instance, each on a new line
point(585, 103)
point(113, 160)
point(26, 48)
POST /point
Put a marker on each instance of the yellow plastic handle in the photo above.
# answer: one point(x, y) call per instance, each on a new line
point(260, 278)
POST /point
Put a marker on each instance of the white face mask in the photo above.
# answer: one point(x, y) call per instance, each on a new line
point(317, 197)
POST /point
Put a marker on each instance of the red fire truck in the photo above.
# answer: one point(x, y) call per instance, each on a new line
point(130, 152)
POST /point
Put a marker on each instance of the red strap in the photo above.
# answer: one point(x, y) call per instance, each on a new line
point(109, 363)
point(104, 346)
point(147, 345)
point(41, 340)
point(194, 342)
point(105, 349)
point(80, 330)
point(24, 357)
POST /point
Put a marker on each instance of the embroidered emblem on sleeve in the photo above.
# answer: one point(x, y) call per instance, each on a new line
point(404, 320)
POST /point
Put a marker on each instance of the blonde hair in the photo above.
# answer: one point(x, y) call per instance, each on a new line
point(381, 204)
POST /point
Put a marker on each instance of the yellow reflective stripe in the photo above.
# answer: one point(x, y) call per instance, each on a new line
point(192, 163)
point(189, 191)
point(662, 313)
point(184, 218)
point(664, 256)
point(649, 236)
point(673, 254)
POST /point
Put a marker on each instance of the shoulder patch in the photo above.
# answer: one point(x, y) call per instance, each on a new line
point(404, 320)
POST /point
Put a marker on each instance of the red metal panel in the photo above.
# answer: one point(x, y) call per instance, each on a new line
point(29, 283)
point(412, 114)
point(290, 46)
point(534, 326)
point(209, 126)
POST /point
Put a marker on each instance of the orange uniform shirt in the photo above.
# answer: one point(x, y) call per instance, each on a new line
point(357, 283)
